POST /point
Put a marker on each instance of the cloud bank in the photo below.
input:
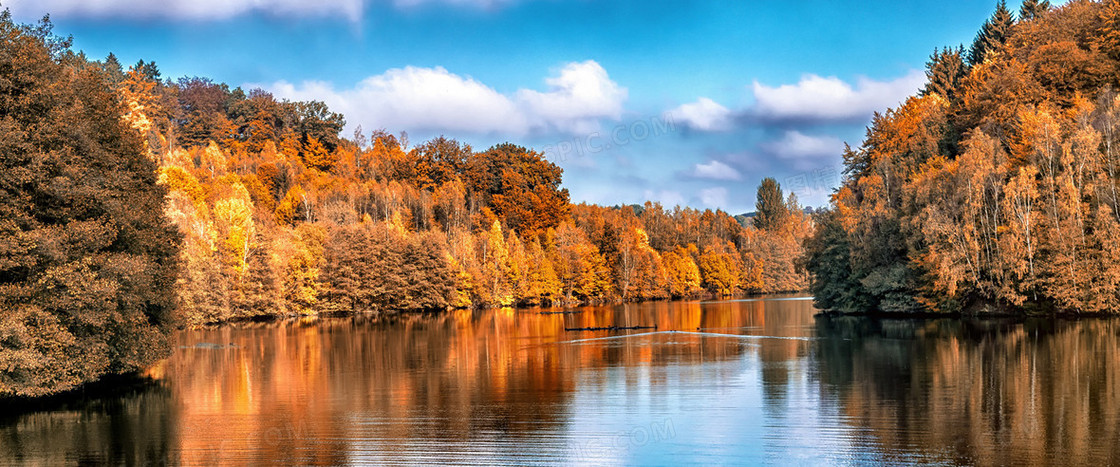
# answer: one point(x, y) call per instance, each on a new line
point(715, 197)
point(437, 100)
point(817, 98)
point(797, 145)
point(813, 99)
point(184, 9)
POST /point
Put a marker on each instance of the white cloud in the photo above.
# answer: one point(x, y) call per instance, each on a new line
point(434, 99)
point(715, 170)
point(715, 197)
point(216, 9)
point(412, 99)
point(814, 97)
point(704, 115)
point(576, 99)
point(797, 145)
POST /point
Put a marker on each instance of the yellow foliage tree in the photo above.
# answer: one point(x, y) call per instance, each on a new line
point(213, 161)
point(303, 247)
point(720, 272)
point(233, 217)
point(683, 273)
point(580, 267)
point(495, 260)
point(292, 207)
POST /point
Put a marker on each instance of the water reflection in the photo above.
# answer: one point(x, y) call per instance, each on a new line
point(717, 382)
point(978, 392)
point(135, 425)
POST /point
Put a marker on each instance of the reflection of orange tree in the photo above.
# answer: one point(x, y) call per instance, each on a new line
point(285, 386)
point(225, 389)
point(286, 378)
point(980, 392)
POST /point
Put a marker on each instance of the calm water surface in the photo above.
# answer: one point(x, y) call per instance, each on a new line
point(731, 382)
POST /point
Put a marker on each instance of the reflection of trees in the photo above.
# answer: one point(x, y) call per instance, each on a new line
point(457, 376)
point(781, 359)
point(133, 426)
point(323, 391)
point(987, 392)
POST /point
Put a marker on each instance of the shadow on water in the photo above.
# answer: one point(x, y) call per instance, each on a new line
point(91, 395)
point(125, 419)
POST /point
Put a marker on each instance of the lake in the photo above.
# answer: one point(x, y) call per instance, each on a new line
point(740, 382)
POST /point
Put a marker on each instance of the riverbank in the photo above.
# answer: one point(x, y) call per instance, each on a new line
point(562, 305)
point(984, 311)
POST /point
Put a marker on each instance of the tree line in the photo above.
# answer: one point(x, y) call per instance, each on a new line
point(280, 215)
point(375, 224)
point(995, 188)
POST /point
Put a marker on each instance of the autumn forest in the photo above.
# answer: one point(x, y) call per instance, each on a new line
point(995, 189)
point(132, 204)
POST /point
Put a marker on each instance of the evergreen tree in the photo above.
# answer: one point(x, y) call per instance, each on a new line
point(770, 206)
point(148, 70)
point(856, 161)
point(316, 155)
point(114, 73)
point(828, 259)
point(944, 72)
point(1032, 9)
point(993, 34)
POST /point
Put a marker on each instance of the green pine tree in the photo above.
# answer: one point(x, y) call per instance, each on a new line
point(993, 34)
point(944, 72)
point(771, 211)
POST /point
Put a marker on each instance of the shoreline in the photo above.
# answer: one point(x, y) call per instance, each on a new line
point(925, 315)
point(519, 308)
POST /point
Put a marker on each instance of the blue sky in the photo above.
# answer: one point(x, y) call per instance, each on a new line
point(683, 102)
